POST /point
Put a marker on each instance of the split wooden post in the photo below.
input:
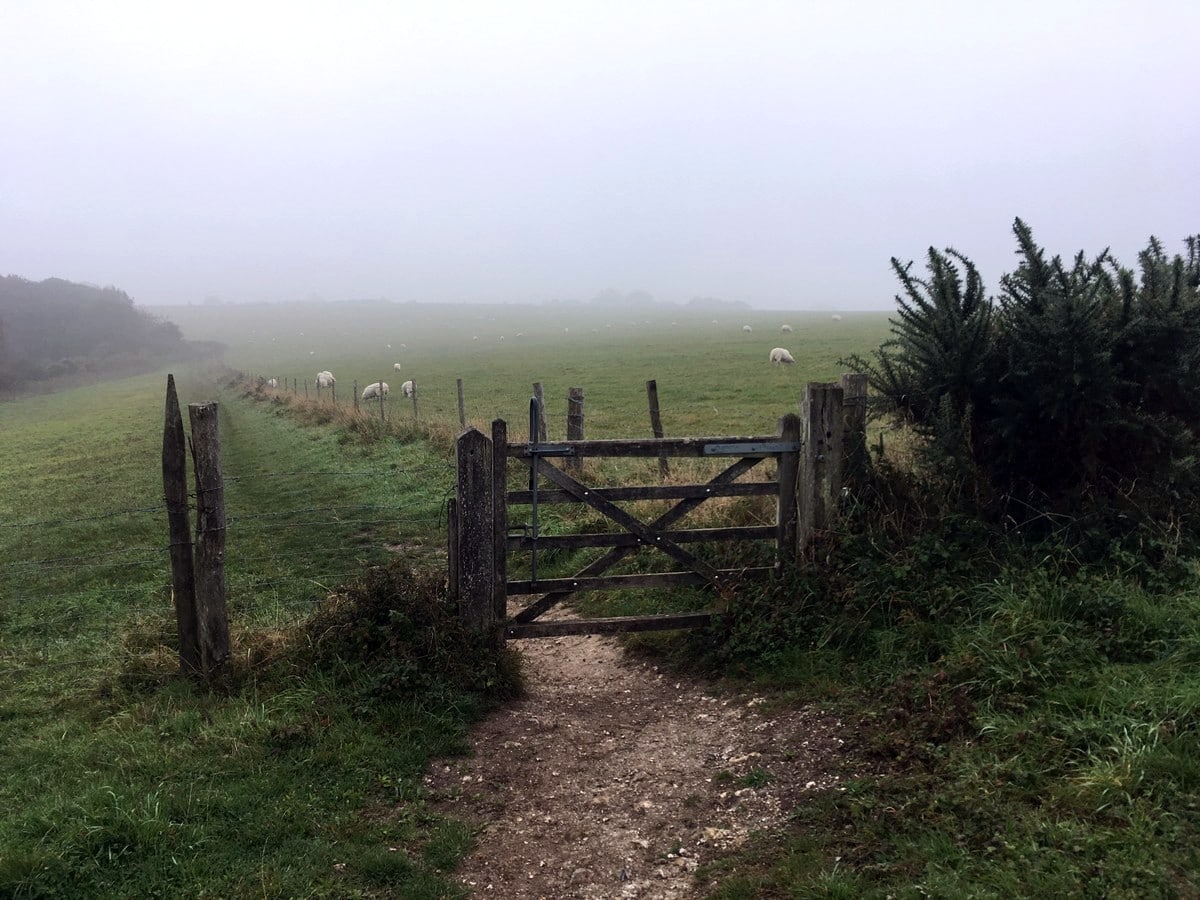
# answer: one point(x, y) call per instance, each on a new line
point(541, 401)
point(574, 425)
point(664, 468)
point(179, 530)
point(821, 467)
point(476, 535)
point(211, 614)
point(787, 509)
point(462, 410)
point(854, 419)
point(452, 589)
point(500, 524)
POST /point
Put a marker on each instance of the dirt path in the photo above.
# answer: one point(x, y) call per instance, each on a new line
point(613, 779)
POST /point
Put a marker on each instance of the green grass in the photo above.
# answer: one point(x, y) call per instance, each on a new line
point(123, 780)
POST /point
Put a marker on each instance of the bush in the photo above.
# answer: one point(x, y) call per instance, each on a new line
point(394, 634)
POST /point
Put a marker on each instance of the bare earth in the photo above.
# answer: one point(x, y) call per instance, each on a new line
point(613, 779)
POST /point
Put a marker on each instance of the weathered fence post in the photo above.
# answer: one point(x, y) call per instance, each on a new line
point(306, 389)
point(541, 402)
point(664, 468)
point(355, 389)
point(452, 553)
point(414, 400)
point(462, 410)
point(574, 425)
point(211, 614)
point(854, 418)
point(476, 534)
point(179, 530)
point(821, 468)
point(382, 415)
point(333, 393)
point(786, 510)
point(500, 524)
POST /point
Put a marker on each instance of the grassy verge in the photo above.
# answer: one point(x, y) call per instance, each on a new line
point(301, 775)
point(1030, 725)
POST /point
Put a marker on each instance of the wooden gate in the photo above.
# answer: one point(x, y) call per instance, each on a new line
point(482, 535)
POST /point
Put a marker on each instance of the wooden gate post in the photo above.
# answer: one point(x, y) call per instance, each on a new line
point(476, 533)
point(821, 466)
point(500, 524)
point(211, 614)
point(786, 510)
point(175, 493)
point(664, 469)
point(541, 401)
point(574, 425)
point(854, 418)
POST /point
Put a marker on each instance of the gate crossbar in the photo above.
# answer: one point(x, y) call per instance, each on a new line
point(616, 554)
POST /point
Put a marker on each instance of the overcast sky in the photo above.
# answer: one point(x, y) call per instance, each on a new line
point(776, 153)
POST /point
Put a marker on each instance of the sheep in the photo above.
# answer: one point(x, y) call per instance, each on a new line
point(375, 390)
point(786, 329)
point(836, 317)
point(325, 379)
point(272, 382)
point(780, 355)
point(396, 367)
point(408, 389)
point(747, 329)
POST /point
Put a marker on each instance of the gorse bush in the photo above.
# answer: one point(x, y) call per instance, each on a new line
point(1078, 381)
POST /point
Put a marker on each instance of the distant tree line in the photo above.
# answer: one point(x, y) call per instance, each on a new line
point(56, 329)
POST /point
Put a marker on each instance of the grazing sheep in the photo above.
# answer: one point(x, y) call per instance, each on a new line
point(747, 329)
point(836, 317)
point(374, 390)
point(408, 389)
point(272, 382)
point(325, 379)
point(780, 355)
point(786, 329)
point(396, 366)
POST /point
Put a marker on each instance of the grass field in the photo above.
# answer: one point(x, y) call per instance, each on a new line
point(712, 378)
point(122, 780)
point(1036, 720)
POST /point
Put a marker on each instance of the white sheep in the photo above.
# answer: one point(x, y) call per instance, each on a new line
point(836, 317)
point(272, 382)
point(396, 367)
point(780, 355)
point(325, 379)
point(375, 390)
point(786, 329)
point(408, 389)
point(747, 329)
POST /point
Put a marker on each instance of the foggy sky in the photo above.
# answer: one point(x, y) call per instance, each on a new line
point(775, 153)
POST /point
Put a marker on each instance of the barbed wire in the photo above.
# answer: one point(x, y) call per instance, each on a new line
point(98, 517)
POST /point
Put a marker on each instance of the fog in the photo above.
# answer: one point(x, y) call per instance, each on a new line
point(772, 153)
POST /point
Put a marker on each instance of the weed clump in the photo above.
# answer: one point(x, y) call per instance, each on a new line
point(394, 634)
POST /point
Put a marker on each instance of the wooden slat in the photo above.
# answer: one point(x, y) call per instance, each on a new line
point(655, 492)
point(613, 582)
point(611, 625)
point(730, 474)
point(612, 539)
point(644, 447)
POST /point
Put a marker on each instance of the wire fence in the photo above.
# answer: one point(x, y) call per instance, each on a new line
point(115, 582)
